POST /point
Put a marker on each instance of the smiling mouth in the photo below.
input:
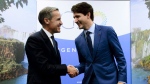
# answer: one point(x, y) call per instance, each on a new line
point(78, 24)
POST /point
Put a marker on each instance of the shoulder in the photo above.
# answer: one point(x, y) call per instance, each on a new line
point(34, 36)
point(80, 35)
point(103, 26)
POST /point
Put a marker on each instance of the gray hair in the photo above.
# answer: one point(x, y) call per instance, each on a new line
point(46, 13)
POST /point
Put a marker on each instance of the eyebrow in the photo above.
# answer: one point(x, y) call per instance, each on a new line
point(76, 16)
point(59, 18)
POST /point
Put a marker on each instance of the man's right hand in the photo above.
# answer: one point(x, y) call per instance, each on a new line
point(72, 71)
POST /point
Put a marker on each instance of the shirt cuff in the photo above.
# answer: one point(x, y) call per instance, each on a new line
point(77, 70)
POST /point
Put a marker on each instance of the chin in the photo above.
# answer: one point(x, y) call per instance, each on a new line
point(58, 32)
point(81, 28)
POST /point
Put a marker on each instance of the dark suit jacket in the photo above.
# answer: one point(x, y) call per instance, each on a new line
point(44, 64)
point(102, 63)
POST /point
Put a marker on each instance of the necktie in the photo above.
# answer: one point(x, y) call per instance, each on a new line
point(89, 41)
point(54, 43)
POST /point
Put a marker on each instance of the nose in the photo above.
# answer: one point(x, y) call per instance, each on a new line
point(75, 20)
point(61, 22)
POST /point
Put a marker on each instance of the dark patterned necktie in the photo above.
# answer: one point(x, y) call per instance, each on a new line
point(89, 41)
point(54, 43)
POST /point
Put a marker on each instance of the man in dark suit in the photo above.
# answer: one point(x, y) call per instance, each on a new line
point(98, 47)
point(42, 51)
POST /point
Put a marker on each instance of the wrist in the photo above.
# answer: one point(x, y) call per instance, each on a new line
point(77, 70)
point(68, 70)
point(121, 82)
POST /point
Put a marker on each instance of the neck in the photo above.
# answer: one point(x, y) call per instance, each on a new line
point(47, 28)
point(88, 25)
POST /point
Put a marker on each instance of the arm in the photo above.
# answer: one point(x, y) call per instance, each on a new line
point(118, 54)
point(39, 61)
point(81, 66)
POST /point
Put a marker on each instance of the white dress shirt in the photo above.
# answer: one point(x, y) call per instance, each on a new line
point(49, 35)
point(91, 29)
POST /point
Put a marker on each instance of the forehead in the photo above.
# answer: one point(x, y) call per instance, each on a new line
point(77, 14)
point(56, 13)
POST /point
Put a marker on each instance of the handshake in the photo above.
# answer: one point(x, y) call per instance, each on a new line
point(72, 71)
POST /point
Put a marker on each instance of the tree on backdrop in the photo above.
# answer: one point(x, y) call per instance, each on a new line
point(147, 2)
point(6, 4)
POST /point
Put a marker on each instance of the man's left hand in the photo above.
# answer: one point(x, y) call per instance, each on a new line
point(121, 83)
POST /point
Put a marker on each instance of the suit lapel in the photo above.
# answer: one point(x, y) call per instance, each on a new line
point(47, 41)
point(84, 46)
point(97, 35)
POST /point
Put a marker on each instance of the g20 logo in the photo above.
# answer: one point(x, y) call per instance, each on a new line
point(68, 20)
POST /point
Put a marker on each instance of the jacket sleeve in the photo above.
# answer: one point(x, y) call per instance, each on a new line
point(81, 66)
point(118, 54)
point(38, 60)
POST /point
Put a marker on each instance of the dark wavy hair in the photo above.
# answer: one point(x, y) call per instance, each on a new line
point(83, 8)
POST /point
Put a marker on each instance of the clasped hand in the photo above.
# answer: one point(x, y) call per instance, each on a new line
point(72, 71)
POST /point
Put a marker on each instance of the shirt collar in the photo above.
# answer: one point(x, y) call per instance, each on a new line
point(91, 29)
point(47, 33)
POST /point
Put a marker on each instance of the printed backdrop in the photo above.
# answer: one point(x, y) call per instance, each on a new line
point(140, 41)
point(111, 13)
point(18, 20)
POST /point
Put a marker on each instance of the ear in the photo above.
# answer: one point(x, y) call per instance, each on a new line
point(46, 20)
point(88, 15)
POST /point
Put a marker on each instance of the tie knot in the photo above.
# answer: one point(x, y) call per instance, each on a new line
point(88, 33)
point(52, 37)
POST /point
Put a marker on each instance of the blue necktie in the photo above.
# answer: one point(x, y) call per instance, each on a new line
point(54, 43)
point(89, 41)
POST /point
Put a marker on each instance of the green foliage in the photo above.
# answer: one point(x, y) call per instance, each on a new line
point(146, 59)
point(135, 34)
point(139, 48)
point(12, 48)
point(19, 51)
point(138, 39)
point(1, 19)
point(147, 2)
point(145, 63)
point(6, 4)
point(11, 54)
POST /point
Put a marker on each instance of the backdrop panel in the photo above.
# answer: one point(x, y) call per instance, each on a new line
point(111, 13)
point(17, 22)
point(140, 41)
